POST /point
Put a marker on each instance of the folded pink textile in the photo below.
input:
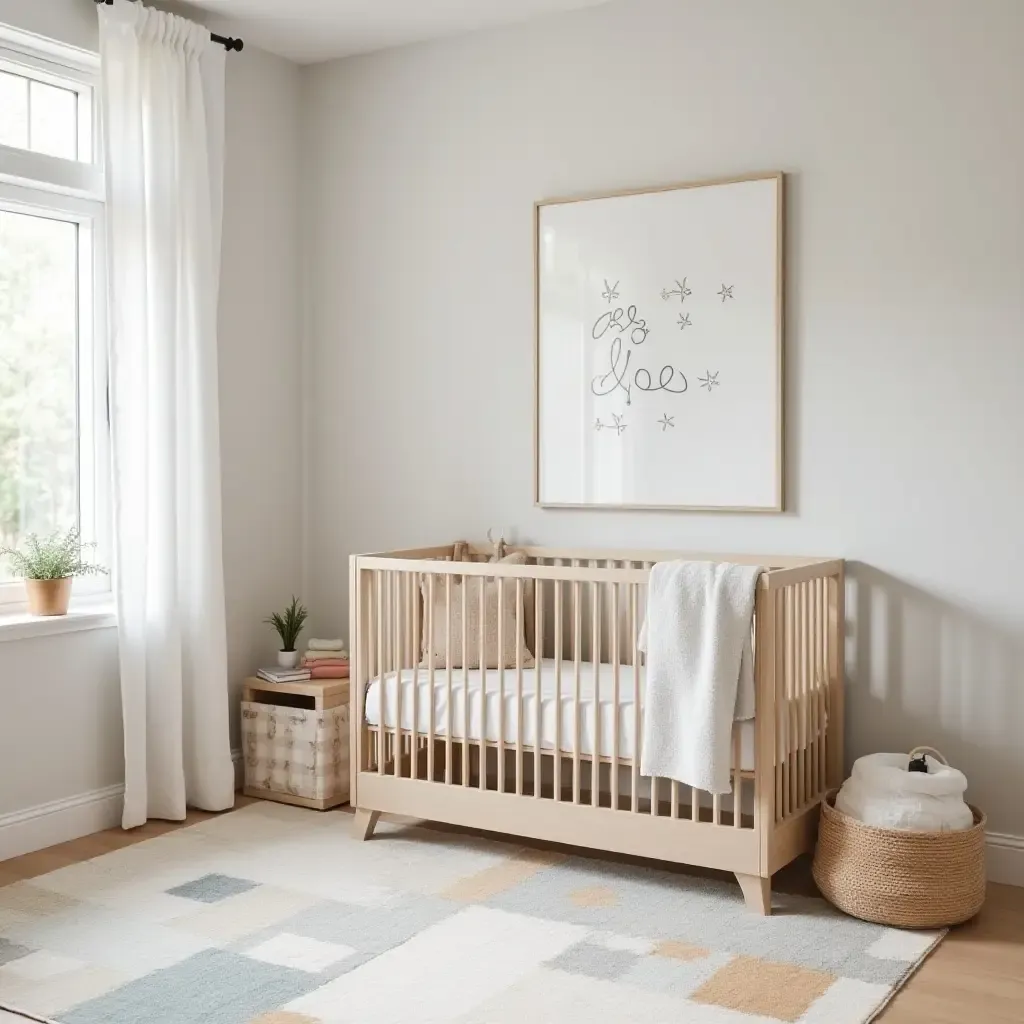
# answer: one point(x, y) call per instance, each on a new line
point(325, 662)
point(329, 672)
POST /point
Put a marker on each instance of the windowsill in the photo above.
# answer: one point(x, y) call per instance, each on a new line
point(83, 615)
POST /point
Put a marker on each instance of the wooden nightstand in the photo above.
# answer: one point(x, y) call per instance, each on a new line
point(295, 741)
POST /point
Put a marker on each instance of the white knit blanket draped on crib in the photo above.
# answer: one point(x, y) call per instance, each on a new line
point(700, 676)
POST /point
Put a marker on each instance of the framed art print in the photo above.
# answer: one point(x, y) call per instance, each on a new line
point(659, 348)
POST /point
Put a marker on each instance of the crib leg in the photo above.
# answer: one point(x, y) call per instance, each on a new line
point(757, 892)
point(365, 823)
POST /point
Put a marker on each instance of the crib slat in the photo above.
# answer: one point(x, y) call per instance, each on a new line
point(634, 591)
point(432, 705)
point(787, 770)
point(501, 686)
point(694, 804)
point(805, 703)
point(780, 704)
point(577, 614)
point(822, 677)
point(790, 706)
point(819, 671)
point(812, 688)
point(654, 779)
point(378, 586)
point(448, 673)
point(807, 649)
point(396, 658)
point(464, 597)
point(800, 641)
point(616, 725)
point(595, 657)
point(414, 662)
point(795, 704)
point(816, 707)
point(786, 731)
point(716, 808)
point(520, 718)
point(483, 683)
point(557, 746)
point(538, 655)
point(737, 777)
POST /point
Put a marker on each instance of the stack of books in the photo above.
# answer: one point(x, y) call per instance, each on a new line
point(284, 675)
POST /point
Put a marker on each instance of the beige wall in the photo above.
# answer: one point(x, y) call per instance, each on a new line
point(69, 21)
point(899, 127)
point(80, 750)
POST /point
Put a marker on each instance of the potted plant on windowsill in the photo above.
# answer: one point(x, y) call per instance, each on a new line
point(289, 626)
point(48, 566)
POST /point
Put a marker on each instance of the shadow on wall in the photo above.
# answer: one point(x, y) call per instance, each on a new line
point(923, 671)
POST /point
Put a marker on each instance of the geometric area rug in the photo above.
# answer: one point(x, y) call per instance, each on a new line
point(274, 914)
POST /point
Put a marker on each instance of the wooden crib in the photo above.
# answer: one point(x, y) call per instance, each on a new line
point(544, 764)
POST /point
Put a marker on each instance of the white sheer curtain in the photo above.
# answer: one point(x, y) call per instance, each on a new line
point(163, 112)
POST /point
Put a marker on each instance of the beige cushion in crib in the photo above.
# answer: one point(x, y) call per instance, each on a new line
point(493, 657)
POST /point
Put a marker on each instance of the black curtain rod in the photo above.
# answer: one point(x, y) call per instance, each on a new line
point(227, 42)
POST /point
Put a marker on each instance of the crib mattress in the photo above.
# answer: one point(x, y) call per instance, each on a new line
point(483, 710)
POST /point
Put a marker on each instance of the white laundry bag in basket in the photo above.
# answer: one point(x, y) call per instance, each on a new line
point(882, 792)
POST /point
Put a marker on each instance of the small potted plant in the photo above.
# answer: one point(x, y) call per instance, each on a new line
point(289, 626)
point(49, 565)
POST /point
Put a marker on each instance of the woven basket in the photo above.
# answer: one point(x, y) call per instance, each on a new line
point(897, 877)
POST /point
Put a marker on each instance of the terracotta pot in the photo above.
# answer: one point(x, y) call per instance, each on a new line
point(49, 597)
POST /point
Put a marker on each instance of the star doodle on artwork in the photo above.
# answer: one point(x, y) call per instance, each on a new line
point(726, 291)
point(684, 321)
point(667, 421)
point(680, 289)
point(611, 291)
point(617, 425)
point(710, 381)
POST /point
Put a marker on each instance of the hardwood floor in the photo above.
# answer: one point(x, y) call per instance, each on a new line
point(975, 977)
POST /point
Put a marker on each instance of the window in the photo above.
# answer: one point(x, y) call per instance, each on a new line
point(44, 118)
point(54, 434)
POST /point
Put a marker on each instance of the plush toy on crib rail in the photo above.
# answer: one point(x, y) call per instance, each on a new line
point(917, 791)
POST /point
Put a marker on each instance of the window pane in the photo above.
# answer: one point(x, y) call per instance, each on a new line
point(13, 111)
point(53, 124)
point(38, 376)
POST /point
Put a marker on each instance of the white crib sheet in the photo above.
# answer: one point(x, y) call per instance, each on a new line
point(483, 714)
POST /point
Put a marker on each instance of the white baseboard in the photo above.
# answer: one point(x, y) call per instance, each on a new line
point(60, 821)
point(1005, 861)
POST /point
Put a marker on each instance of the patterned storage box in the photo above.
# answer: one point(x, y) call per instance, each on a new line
point(296, 754)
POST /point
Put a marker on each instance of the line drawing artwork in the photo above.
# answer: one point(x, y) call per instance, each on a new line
point(680, 289)
point(613, 318)
point(618, 377)
point(667, 421)
point(710, 381)
point(617, 425)
point(726, 291)
point(611, 291)
point(684, 321)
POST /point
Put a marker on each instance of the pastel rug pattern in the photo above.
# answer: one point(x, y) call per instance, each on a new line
point(275, 915)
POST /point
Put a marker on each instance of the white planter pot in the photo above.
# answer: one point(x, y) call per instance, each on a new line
point(288, 659)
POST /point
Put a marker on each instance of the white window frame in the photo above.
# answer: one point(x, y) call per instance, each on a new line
point(71, 191)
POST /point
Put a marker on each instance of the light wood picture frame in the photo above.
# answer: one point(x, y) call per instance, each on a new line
point(658, 347)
